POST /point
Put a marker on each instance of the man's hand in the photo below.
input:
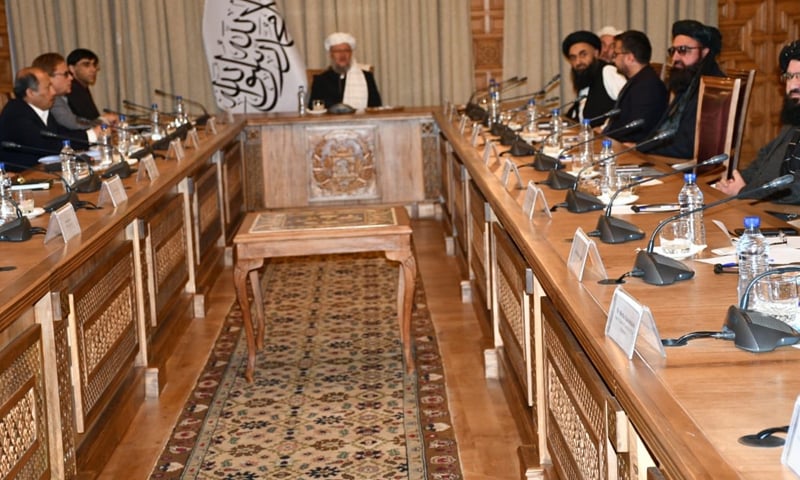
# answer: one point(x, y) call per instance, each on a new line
point(732, 186)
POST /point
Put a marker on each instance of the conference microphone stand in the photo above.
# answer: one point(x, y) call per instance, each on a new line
point(69, 195)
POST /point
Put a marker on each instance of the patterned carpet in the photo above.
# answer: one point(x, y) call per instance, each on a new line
point(330, 399)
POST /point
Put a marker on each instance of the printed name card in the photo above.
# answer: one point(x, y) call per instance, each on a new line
point(509, 167)
point(192, 139)
point(629, 320)
point(583, 248)
point(791, 449)
point(532, 194)
point(147, 166)
point(176, 150)
point(462, 124)
point(112, 191)
point(476, 131)
point(64, 223)
point(211, 126)
point(488, 150)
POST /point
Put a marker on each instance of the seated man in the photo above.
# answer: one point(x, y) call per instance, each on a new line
point(54, 65)
point(645, 95)
point(606, 35)
point(694, 53)
point(345, 81)
point(83, 64)
point(23, 119)
point(782, 155)
point(591, 76)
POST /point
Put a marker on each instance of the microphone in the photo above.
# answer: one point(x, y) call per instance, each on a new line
point(128, 115)
point(54, 204)
point(615, 230)
point(474, 111)
point(582, 202)
point(560, 180)
point(202, 119)
point(129, 104)
point(657, 269)
point(121, 168)
point(755, 331)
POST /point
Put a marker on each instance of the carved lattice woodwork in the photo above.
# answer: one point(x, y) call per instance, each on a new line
point(342, 163)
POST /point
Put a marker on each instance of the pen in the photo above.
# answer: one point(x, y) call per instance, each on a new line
point(656, 207)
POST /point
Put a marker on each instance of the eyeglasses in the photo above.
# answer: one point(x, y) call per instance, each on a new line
point(789, 76)
point(682, 49)
point(616, 54)
point(61, 74)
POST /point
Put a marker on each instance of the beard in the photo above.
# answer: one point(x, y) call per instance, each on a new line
point(583, 78)
point(790, 113)
point(681, 78)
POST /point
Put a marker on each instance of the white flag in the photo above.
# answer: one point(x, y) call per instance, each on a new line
point(255, 65)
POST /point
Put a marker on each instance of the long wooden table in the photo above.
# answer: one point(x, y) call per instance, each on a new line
point(584, 409)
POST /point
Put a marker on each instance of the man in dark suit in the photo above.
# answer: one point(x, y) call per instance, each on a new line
point(23, 119)
point(645, 95)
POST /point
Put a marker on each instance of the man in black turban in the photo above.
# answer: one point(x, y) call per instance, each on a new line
point(694, 53)
point(781, 155)
point(591, 76)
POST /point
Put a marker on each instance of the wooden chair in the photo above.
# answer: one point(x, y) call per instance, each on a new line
point(717, 104)
point(748, 78)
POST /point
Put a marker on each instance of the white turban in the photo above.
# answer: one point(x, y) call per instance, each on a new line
point(339, 38)
point(608, 30)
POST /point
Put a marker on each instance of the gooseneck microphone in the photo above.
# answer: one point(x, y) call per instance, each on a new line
point(537, 93)
point(474, 111)
point(615, 230)
point(657, 269)
point(582, 202)
point(69, 195)
point(202, 119)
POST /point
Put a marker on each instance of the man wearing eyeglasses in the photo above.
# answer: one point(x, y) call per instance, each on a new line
point(83, 65)
point(346, 81)
point(645, 95)
point(782, 155)
point(694, 53)
point(54, 65)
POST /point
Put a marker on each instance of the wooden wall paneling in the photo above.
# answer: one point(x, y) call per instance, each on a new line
point(753, 33)
point(486, 24)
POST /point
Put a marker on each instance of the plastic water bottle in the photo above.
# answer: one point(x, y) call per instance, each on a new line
point(67, 157)
point(585, 156)
point(531, 115)
point(8, 211)
point(689, 198)
point(494, 102)
point(554, 139)
point(123, 135)
point(156, 133)
point(104, 142)
point(180, 112)
point(752, 253)
point(301, 100)
point(609, 163)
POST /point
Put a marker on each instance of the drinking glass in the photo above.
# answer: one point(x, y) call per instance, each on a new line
point(675, 238)
point(781, 298)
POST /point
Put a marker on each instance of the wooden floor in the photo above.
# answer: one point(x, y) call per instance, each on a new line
point(486, 435)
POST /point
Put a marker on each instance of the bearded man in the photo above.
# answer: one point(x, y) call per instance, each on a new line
point(781, 156)
point(694, 53)
point(591, 76)
point(345, 81)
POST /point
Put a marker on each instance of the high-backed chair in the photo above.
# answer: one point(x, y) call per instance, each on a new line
point(748, 78)
point(718, 99)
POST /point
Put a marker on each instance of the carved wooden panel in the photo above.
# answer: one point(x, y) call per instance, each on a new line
point(753, 33)
point(66, 405)
point(207, 213)
point(479, 244)
point(342, 163)
point(23, 427)
point(431, 167)
point(6, 71)
point(232, 187)
point(461, 217)
point(486, 24)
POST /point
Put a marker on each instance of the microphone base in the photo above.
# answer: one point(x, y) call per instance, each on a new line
point(560, 180)
point(60, 201)
point(758, 332)
point(614, 230)
point(121, 169)
point(544, 162)
point(18, 230)
point(88, 184)
point(581, 202)
point(657, 269)
point(521, 148)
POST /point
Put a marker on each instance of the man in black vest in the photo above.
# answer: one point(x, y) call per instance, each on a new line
point(782, 155)
point(591, 76)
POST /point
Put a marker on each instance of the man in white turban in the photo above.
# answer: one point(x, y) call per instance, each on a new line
point(345, 81)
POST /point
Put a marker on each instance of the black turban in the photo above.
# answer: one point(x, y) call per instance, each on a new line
point(581, 36)
point(788, 53)
point(708, 36)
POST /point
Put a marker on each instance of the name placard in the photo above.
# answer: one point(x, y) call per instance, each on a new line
point(147, 166)
point(791, 449)
point(626, 317)
point(112, 191)
point(63, 222)
point(509, 167)
point(211, 126)
point(583, 248)
point(462, 124)
point(488, 150)
point(176, 150)
point(192, 139)
point(532, 195)
point(476, 131)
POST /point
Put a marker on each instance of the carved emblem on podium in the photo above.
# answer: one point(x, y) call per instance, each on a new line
point(342, 163)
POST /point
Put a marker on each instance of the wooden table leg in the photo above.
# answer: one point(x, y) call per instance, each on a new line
point(405, 300)
point(240, 271)
point(258, 299)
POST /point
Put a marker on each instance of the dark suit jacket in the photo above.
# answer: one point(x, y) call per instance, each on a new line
point(20, 124)
point(644, 96)
point(81, 102)
point(329, 87)
point(767, 167)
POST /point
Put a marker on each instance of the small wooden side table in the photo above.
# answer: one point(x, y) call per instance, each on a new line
point(318, 231)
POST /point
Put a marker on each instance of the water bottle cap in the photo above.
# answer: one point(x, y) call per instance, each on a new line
point(606, 143)
point(154, 106)
point(122, 117)
point(587, 121)
point(689, 177)
point(531, 102)
point(752, 222)
point(556, 112)
point(178, 98)
point(65, 143)
point(104, 127)
point(2, 165)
